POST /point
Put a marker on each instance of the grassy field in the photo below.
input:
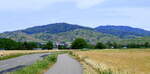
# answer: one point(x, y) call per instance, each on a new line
point(116, 61)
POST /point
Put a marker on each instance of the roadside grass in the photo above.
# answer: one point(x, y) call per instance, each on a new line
point(40, 66)
point(10, 56)
point(115, 61)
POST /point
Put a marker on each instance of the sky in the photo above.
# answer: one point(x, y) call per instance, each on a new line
point(21, 14)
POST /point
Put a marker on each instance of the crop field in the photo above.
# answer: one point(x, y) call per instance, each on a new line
point(16, 53)
point(12, 52)
point(117, 61)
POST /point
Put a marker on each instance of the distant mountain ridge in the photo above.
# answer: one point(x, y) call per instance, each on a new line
point(123, 31)
point(53, 28)
point(68, 32)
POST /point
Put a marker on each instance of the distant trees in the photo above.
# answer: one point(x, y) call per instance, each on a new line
point(28, 45)
point(8, 44)
point(147, 44)
point(49, 45)
point(100, 45)
point(62, 47)
point(139, 45)
point(79, 43)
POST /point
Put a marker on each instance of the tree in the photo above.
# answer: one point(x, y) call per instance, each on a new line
point(90, 46)
point(146, 44)
point(100, 45)
point(62, 47)
point(49, 45)
point(79, 43)
point(29, 45)
point(109, 44)
point(8, 44)
point(116, 45)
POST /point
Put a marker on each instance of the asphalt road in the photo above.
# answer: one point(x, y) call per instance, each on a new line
point(19, 62)
point(65, 65)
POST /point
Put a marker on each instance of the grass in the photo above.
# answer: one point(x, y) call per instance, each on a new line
point(40, 66)
point(16, 53)
point(10, 56)
point(116, 61)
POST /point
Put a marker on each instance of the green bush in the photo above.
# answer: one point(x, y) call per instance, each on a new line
point(79, 43)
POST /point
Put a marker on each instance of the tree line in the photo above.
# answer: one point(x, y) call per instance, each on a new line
point(82, 44)
point(8, 44)
point(79, 43)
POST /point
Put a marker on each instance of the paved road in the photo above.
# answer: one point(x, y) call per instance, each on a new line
point(19, 62)
point(65, 65)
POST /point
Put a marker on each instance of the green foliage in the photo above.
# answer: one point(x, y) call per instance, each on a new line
point(49, 45)
point(147, 44)
point(28, 45)
point(79, 43)
point(138, 45)
point(100, 45)
point(90, 46)
point(116, 45)
point(62, 47)
point(9, 44)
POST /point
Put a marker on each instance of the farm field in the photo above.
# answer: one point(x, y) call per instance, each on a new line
point(16, 53)
point(116, 61)
point(11, 52)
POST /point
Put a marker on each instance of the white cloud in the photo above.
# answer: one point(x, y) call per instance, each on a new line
point(37, 4)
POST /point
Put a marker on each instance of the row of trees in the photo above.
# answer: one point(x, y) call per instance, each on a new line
point(9, 44)
point(79, 43)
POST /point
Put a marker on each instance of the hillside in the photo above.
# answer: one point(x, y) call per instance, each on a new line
point(19, 36)
point(89, 35)
point(64, 32)
point(139, 40)
point(123, 31)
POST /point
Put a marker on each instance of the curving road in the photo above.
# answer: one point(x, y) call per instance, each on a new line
point(65, 65)
point(20, 62)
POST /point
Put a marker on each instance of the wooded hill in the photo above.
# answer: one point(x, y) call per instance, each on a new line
point(64, 32)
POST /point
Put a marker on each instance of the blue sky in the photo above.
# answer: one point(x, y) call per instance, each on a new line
point(21, 14)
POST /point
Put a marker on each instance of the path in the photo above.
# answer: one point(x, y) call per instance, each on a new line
point(19, 62)
point(65, 65)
